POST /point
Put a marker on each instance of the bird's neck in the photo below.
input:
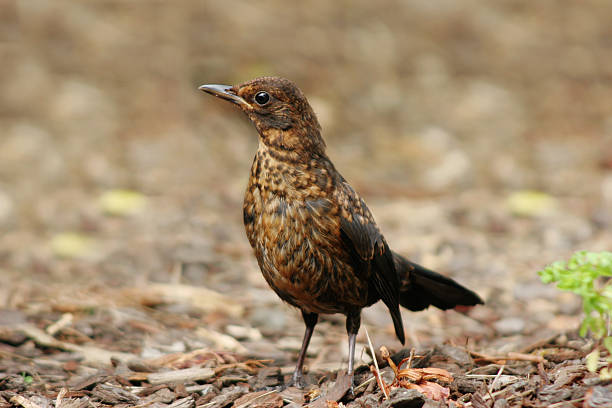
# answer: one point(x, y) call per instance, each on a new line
point(293, 146)
point(280, 155)
point(276, 172)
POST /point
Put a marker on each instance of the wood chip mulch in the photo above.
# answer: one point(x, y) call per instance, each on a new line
point(37, 372)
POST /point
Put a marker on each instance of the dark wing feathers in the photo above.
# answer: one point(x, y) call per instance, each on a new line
point(363, 234)
point(373, 254)
point(421, 287)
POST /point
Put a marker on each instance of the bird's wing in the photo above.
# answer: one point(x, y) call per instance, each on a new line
point(370, 250)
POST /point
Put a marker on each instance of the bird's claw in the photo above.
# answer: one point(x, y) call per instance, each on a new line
point(297, 381)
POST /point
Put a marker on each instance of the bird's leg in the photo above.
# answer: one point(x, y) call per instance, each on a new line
point(353, 321)
point(310, 319)
point(351, 338)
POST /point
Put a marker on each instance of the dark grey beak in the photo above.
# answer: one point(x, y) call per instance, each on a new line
point(223, 92)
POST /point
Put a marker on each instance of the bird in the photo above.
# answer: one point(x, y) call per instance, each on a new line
point(315, 239)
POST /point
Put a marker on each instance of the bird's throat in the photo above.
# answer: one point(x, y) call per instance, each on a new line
point(291, 146)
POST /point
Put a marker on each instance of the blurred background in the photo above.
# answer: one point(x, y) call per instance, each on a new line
point(480, 134)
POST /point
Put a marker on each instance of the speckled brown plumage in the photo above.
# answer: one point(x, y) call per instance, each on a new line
point(315, 240)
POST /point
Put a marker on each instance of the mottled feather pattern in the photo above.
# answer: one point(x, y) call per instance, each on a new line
point(315, 240)
point(296, 237)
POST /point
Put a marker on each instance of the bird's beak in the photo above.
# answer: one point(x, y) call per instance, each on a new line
point(223, 92)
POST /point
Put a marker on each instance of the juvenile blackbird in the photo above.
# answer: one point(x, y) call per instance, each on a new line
point(314, 238)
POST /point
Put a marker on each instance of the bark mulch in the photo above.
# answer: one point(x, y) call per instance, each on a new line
point(41, 370)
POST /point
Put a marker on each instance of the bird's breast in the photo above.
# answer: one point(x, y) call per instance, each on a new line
point(292, 221)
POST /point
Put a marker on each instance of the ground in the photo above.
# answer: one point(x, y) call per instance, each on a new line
point(479, 135)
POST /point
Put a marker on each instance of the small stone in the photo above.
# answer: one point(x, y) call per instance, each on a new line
point(403, 398)
point(368, 400)
point(465, 385)
point(501, 403)
point(268, 320)
point(456, 354)
point(243, 332)
point(599, 397)
point(509, 326)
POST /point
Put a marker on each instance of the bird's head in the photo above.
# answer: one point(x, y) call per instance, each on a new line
point(280, 112)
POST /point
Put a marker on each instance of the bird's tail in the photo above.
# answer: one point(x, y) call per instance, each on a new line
point(421, 288)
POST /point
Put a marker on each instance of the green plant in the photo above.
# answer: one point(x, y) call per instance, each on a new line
point(586, 275)
point(27, 379)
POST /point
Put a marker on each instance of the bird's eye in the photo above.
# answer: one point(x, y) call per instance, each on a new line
point(262, 98)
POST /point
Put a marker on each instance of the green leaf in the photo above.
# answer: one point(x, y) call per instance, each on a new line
point(581, 274)
point(27, 379)
point(584, 327)
point(608, 344)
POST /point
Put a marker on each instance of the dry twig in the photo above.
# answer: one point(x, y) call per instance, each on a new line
point(60, 396)
point(509, 356)
point(376, 373)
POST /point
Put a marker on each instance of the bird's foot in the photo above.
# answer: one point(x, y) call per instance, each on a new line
point(351, 390)
point(343, 387)
point(297, 380)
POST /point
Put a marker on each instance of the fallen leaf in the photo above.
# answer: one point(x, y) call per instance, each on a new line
point(72, 245)
point(530, 203)
point(424, 374)
point(122, 202)
point(431, 390)
point(592, 359)
point(312, 395)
